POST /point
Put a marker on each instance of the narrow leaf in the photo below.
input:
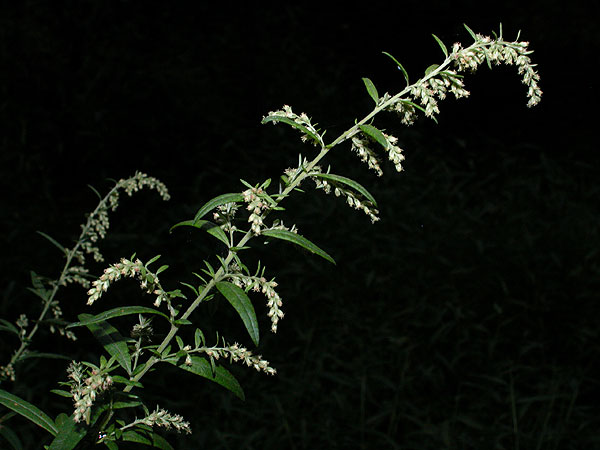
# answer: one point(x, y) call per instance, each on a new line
point(29, 411)
point(218, 201)
point(470, 31)
point(45, 355)
point(371, 89)
point(376, 134)
point(11, 437)
point(201, 366)
point(441, 44)
point(53, 241)
point(7, 326)
point(298, 240)
point(116, 312)
point(112, 341)
point(207, 226)
point(404, 72)
point(348, 182)
point(242, 304)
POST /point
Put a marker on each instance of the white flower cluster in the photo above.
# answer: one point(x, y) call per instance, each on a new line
point(85, 389)
point(98, 223)
point(366, 206)
point(497, 51)
point(256, 206)
point(303, 120)
point(260, 284)
point(162, 418)
point(128, 269)
point(360, 146)
point(238, 353)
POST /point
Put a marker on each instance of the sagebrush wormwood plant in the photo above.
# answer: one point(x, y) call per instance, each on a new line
point(107, 394)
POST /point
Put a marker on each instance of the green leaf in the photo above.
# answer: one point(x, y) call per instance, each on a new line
point(29, 411)
point(404, 72)
point(60, 247)
point(207, 226)
point(110, 338)
point(348, 182)
point(11, 437)
point(470, 32)
point(69, 434)
point(7, 326)
point(218, 201)
point(441, 44)
point(45, 355)
point(371, 89)
point(298, 240)
point(431, 68)
point(201, 366)
point(61, 393)
point(148, 438)
point(293, 124)
point(376, 134)
point(115, 312)
point(242, 304)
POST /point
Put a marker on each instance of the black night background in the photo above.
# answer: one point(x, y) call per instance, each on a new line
point(467, 318)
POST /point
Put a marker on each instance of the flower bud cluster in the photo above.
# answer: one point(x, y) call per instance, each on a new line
point(360, 146)
point(237, 353)
point(128, 269)
point(224, 216)
point(366, 206)
point(85, 388)
point(163, 418)
point(302, 120)
point(260, 284)
point(256, 205)
point(76, 274)
point(498, 52)
point(394, 152)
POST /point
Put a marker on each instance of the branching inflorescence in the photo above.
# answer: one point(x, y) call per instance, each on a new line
point(230, 277)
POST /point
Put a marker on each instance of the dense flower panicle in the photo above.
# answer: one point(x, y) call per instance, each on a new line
point(86, 386)
point(361, 147)
point(162, 418)
point(260, 284)
point(237, 353)
point(364, 205)
point(498, 52)
point(394, 152)
point(128, 269)
point(256, 205)
point(302, 120)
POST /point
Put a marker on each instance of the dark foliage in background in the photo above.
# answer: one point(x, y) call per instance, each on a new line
point(466, 318)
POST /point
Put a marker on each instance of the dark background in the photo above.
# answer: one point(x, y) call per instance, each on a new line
point(465, 318)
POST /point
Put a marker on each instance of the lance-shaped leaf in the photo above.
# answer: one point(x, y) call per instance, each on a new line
point(402, 69)
point(348, 182)
point(202, 367)
point(53, 241)
point(376, 134)
point(302, 128)
point(218, 201)
point(298, 240)
point(116, 312)
point(148, 438)
point(371, 89)
point(69, 433)
point(441, 44)
point(207, 226)
point(242, 304)
point(29, 411)
point(112, 341)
